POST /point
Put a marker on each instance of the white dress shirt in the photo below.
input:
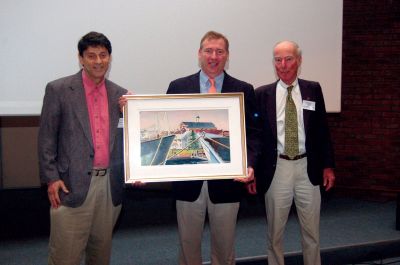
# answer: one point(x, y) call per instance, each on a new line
point(281, 94)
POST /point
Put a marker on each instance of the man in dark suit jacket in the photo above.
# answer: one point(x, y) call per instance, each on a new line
point(80, 157)
point(283, 176)
point(220, 198)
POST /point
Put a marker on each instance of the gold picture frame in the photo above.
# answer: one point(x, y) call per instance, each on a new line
point(178, 137)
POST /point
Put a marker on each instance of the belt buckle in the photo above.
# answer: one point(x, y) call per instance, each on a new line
point(297, 157)
point(100, 172)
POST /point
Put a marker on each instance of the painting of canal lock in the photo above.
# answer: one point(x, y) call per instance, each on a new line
point(182, 137)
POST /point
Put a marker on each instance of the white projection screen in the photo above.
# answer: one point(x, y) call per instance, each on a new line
point(156, 41)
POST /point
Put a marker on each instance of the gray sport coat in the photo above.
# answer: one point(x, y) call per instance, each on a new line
point(65, 143)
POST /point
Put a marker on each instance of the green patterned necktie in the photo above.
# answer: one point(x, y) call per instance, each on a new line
point(291, 134)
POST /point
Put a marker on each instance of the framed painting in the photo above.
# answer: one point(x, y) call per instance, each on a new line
point(178, 137)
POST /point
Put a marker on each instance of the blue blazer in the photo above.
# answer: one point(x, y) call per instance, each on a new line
point(220, 191)
point(65, 143)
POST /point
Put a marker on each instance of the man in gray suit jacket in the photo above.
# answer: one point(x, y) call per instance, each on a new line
point(80, 157)
point(295, 159)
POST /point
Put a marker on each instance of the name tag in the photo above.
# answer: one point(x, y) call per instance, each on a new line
point(309, 105)
point(121, 123)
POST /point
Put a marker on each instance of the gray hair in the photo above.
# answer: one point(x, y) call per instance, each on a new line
point(296, 46)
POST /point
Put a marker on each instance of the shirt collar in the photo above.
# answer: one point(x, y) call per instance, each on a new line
point(89, 84)
point(218, 79)
point(285, 86)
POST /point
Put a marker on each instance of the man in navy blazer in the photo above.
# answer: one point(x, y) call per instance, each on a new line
point(80, 157)
point(219, 198)
point(283, 178)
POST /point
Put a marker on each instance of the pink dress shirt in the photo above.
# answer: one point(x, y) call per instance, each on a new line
point(97, 103)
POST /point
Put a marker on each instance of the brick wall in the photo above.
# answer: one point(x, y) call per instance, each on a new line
point(366, 133)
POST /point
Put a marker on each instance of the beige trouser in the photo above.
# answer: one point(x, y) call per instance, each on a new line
point(291, 182)
point(222, 219)
point(85, 229)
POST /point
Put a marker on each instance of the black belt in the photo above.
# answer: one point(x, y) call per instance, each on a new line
point(292, 158)
point(99, 172)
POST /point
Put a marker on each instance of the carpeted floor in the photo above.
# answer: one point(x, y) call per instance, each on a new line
point(147, 235)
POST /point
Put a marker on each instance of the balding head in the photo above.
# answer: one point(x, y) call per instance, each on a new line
point(287, 60)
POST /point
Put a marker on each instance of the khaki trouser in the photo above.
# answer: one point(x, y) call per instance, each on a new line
point(222, 219)
point(291, 182)
point(86, 229)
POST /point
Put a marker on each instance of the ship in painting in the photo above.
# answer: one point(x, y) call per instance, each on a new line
point(155, 143)
point(155, 151)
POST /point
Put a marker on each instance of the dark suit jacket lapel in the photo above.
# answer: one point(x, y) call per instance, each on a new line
point(78, 100)
point(193, 84)
point(226, 85)
point(305, 95)
point(271, 105)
